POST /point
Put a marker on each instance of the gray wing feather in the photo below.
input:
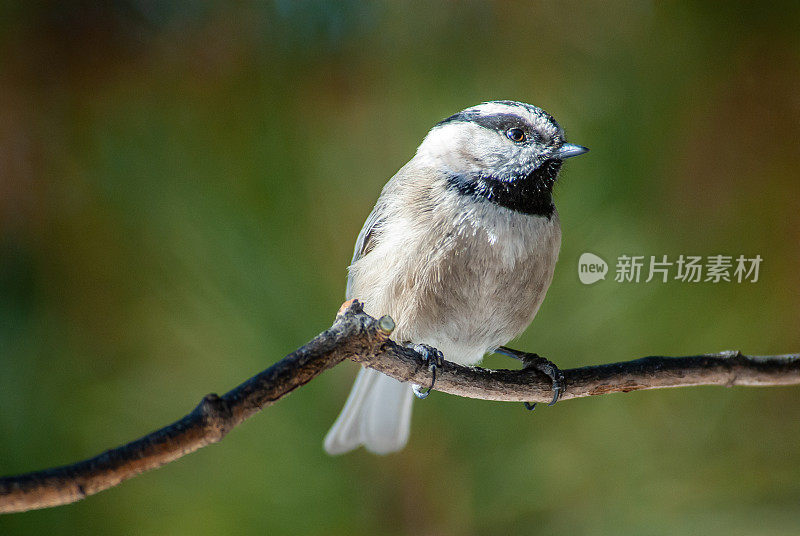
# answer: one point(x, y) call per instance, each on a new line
point(366, 240)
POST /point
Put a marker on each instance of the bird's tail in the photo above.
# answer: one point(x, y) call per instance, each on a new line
point(377, 414)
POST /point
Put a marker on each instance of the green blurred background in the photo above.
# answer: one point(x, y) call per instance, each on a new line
point(181, 186)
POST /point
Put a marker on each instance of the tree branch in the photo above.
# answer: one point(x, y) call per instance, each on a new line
point(357, 336)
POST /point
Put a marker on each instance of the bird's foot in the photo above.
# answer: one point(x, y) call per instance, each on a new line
point(434, 359)
point(543, 365)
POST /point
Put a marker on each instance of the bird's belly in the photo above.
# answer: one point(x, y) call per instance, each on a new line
point(478, 299)
point(466, 295)
point(470, 319)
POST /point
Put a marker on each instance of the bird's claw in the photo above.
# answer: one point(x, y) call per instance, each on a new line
point(434, 359)
point(549, 368)
point(543, 365)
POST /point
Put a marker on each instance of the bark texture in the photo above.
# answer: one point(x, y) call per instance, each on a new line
point(357, 336)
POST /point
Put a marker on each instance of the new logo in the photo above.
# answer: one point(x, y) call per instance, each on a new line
point(591, 268)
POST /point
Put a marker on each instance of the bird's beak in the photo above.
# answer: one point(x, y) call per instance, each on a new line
point(568, 150)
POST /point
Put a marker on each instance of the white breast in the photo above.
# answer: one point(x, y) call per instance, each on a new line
point(462, 276)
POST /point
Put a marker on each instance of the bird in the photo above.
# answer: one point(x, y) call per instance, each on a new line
point(459, 251)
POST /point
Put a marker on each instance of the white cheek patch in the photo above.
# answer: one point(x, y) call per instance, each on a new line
point(440, 141)
point(463, 147)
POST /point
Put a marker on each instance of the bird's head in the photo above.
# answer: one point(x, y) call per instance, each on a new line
point(507, 152)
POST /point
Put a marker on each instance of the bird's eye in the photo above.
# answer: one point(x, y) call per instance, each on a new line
point(516, 135)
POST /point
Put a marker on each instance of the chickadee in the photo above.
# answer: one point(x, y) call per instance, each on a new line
point(459, 250)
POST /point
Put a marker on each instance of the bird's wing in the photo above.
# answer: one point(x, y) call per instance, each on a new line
point(366, 239)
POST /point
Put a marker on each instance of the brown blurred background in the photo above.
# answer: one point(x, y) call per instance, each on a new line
point(181, 186)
